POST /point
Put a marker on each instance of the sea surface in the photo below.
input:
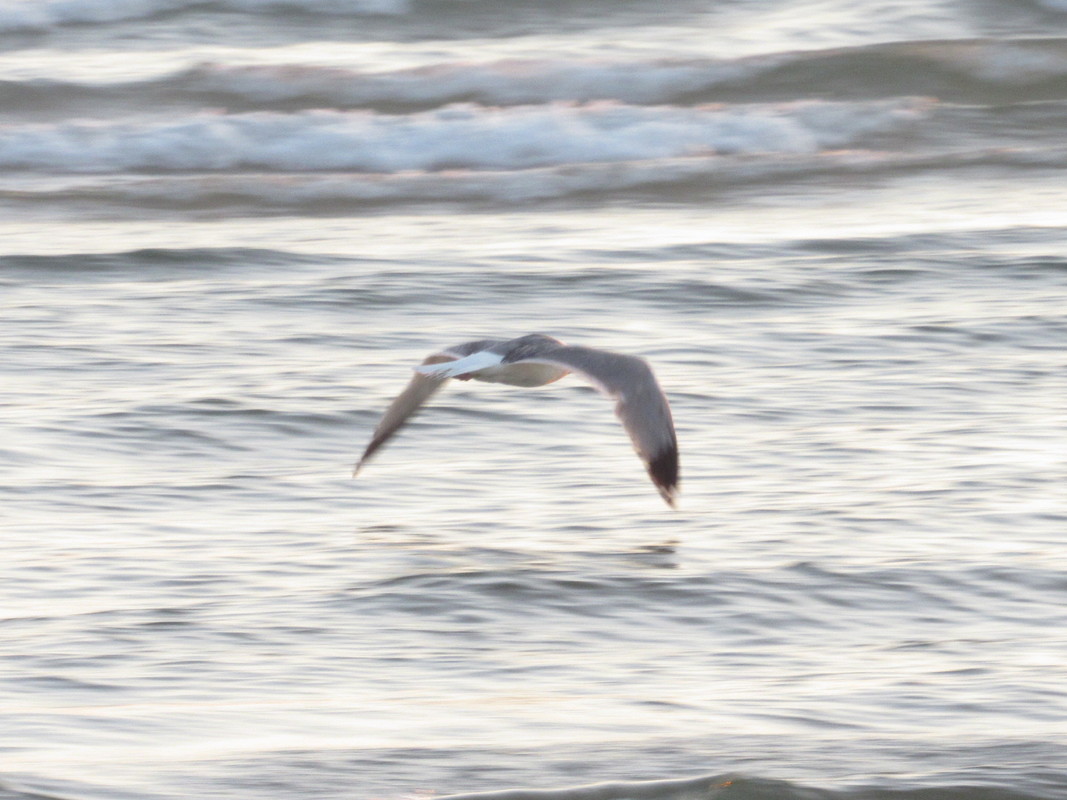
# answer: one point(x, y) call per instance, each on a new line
point(837, 231)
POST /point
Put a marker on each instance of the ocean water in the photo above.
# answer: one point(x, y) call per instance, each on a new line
point(838, 232)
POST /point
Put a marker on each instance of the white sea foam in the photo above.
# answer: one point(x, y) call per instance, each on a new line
point(458, 136)
point(334, 191)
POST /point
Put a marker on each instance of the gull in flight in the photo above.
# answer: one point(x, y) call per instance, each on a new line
point(535, 360)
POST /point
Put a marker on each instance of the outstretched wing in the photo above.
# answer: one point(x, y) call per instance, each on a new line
point(642, 406)
point(420, 389)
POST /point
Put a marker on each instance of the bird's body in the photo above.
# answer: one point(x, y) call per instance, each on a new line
point(535, 360)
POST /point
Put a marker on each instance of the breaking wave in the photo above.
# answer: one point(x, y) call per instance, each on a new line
point(462, 136)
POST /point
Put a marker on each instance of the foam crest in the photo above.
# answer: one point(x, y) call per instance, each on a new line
point(454, 137)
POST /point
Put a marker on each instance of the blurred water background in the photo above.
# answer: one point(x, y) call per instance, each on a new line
point(837, 230)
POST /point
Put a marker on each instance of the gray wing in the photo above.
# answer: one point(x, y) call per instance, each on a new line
point(642, 406)
point(420, 389)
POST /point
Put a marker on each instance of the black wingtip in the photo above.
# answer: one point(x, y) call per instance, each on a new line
point(663, 469)
point(371, 448)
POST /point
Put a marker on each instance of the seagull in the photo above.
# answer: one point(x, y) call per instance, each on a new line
point(536, 360)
